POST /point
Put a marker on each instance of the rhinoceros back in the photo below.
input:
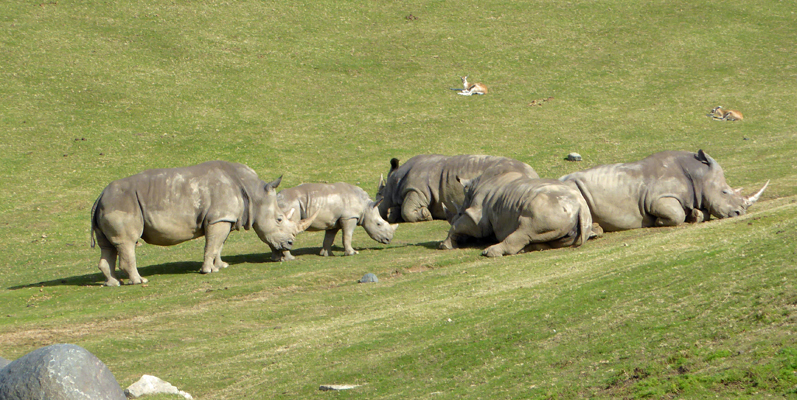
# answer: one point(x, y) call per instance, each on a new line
point(464, 167)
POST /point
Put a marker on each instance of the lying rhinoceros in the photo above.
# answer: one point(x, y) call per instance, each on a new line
point(338, 206)
point(426, 188)
point(522, 213)
point(664, 189)
point(170, 206)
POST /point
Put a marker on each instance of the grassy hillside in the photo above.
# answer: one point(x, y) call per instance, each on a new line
point(330, 91)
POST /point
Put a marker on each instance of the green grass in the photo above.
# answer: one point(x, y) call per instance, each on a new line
point(330, 91)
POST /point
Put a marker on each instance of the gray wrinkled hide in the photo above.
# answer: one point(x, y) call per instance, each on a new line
point(4, 362)
point(522, 214)
point(170, 206)
point(59, 372)
point(338, 206)
point(664, 189)
point(426, 187)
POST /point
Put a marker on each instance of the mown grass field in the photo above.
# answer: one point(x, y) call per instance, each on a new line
point(94, 91)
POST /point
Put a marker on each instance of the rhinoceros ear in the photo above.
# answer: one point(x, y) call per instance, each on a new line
point(394, 164)
point(273, 185)
point(464, 182)
point(705, 158)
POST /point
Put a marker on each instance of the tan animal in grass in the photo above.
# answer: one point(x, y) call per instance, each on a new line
point(472, 88)
point(726, 115)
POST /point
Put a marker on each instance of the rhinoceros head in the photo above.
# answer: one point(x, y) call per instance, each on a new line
point(376, 227)
point(274, 227)
point(384, 194)
point(718, 197)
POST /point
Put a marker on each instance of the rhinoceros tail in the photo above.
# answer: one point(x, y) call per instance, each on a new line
point(94, 220)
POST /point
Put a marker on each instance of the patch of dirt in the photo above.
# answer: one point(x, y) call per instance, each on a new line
point(418, 268)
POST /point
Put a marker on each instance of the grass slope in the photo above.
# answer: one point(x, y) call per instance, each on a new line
point(330, 91)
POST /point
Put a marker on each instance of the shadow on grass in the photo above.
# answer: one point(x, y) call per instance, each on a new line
point(465, 243)
point(170, 268)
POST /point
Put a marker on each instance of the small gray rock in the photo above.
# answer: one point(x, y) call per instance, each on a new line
point(574, 157)
point(369, 277)
point(4, 362)
point(338, 387)
point(59, 372)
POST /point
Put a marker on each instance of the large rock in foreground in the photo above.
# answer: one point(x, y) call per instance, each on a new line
point(3, 362)
point(59, 372)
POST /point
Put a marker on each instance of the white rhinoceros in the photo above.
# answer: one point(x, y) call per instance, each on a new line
point(170, 206)
point(336, 206)
point(426, 187)
point(664, 189)
point(522, 213)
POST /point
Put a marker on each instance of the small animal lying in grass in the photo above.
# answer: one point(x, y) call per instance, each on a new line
point(540, 101)
point(725, 115)
point(338, 206)
point(470, 89)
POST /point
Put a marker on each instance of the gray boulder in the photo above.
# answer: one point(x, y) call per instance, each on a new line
point(4, 362)
point(369, 278)
point(59, 372)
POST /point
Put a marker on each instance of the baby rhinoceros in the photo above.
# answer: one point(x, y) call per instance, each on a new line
point(338, 206)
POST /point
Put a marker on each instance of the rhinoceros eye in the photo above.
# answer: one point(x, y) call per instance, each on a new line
point(279, 220)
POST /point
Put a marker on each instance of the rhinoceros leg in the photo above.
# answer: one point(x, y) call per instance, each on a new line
point(462, 226)
point(215, 235)
point(127, 262)
point(513, 244)
point(415, 208)
point(696, 216)
point(107, 263)
point(329, 239)
point(348, 226)
point(668, 212)
point(551, 232)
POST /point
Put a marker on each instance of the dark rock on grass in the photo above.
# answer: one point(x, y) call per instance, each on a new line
point(59, 372)
point(574, 157)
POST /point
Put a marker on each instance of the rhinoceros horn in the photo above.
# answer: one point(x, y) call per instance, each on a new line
point(749, 201)
point(302, 225)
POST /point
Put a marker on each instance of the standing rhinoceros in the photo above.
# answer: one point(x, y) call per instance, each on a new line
point(664, 189)
point(338, 206)
point(170, 206)
point(521, 213)
point(426, 188)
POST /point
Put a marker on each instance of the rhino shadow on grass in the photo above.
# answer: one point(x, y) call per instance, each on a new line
point(169, 268)
point(463, 243)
